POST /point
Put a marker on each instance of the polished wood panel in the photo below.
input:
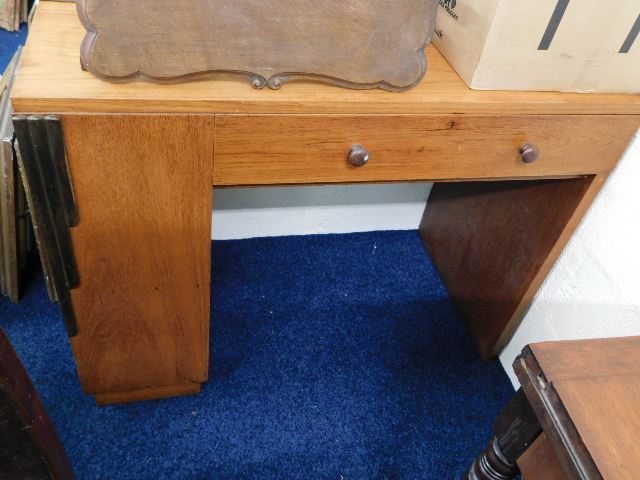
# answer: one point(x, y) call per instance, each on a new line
point(588, 358)
point(606, 412)
point(539, 462)
point(292, 149)
point(598, 382)
point(50, 80)
point(142, 245)
point(493, 242)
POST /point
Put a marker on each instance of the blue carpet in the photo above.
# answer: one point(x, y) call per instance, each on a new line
point(9, 42)
point(333, 357)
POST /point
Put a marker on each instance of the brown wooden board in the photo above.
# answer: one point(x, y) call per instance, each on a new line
point(356, 44)
point(493, 241)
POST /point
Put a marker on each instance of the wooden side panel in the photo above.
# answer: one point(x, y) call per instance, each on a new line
point(143, 190)
point(494, 242)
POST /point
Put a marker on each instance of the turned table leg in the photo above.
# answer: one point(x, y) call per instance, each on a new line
point(492, 464)
point(515, 430)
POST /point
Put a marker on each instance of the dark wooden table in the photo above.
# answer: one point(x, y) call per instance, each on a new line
point(29, 445)
point(576, 415)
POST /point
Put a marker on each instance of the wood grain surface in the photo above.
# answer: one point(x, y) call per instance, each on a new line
point(598, 382)
point(539, 462)
point(294, 149)
point(606, 412)
point(493, 242)
point(356, 44)
point(588, 358)
point(50, 80)
point(143, 249)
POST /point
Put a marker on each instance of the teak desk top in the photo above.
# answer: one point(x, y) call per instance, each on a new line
point(50, 78)
point(142, 160)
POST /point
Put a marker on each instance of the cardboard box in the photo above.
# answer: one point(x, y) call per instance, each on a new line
point(547, 45)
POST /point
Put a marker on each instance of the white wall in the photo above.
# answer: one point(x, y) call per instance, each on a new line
point(593, 291)
point(268, 212)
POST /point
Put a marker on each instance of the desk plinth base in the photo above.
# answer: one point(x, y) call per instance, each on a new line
point(153, 393)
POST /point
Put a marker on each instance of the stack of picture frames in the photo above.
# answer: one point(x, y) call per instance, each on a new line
point(13, 13)
point(17, 246)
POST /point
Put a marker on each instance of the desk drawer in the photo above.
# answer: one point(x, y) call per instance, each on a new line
point(303, 149)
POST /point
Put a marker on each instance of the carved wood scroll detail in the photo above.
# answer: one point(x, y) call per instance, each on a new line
point(356, 44)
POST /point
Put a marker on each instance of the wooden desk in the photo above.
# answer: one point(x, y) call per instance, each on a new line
point(577, 415)
point(143, 159)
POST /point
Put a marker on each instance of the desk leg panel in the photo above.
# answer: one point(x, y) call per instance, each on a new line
point(143, 248)
point(493, 244)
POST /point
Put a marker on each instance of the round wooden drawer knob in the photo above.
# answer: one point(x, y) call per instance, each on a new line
point(358, 156)
point(529, 153)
